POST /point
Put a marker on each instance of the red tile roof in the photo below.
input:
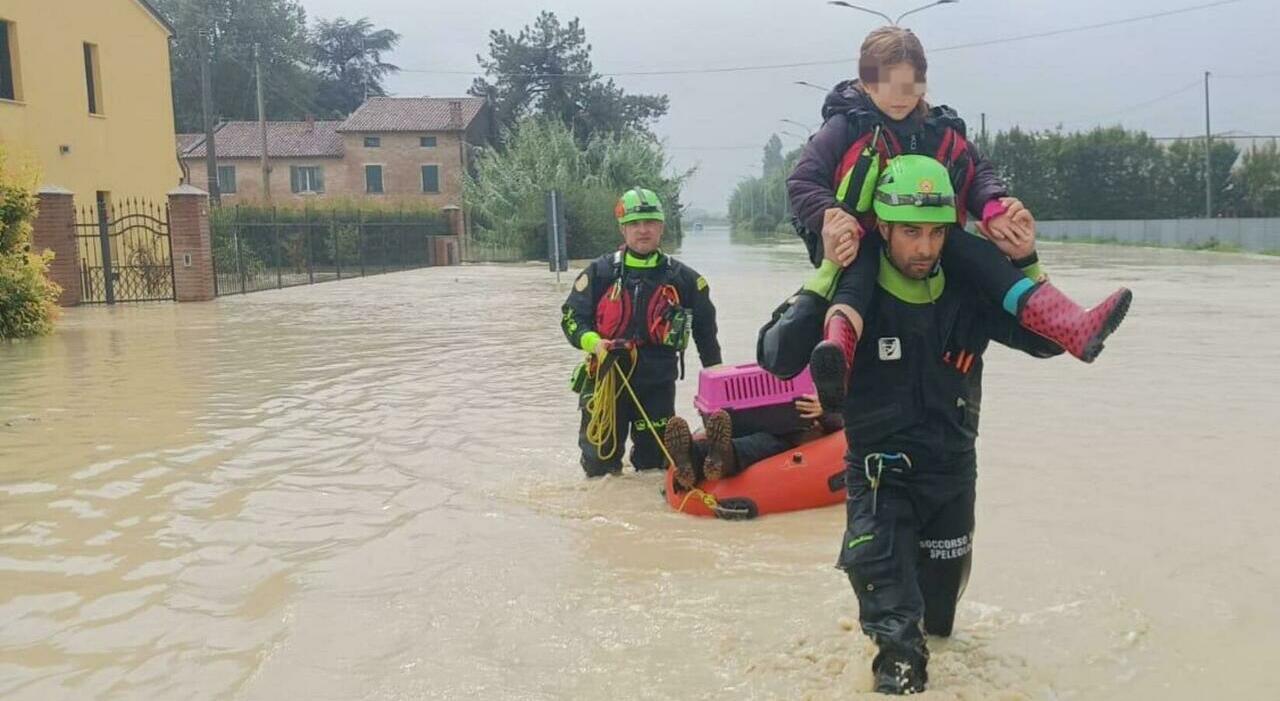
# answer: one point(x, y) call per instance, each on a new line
point(319, 139)
point(413, 114)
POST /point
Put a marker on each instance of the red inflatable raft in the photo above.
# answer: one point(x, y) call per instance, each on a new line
point(805, 477)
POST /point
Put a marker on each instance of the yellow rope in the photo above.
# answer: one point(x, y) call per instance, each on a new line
point(600, 430)
point(602, 408)
point(707, 498)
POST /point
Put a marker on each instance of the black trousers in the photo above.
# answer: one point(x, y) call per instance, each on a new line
point(657, 394)
point(966, 257)
point(907, 550)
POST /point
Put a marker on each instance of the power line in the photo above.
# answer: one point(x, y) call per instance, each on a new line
point(1136, 106)
point(844, 60)
point(1086, 27)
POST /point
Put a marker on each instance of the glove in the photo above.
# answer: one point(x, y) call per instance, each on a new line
point(609, 345)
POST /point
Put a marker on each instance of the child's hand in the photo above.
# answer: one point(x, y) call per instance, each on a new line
point(1021, 241)
point(808, 406)
point(840, 237)
point(1012, 226)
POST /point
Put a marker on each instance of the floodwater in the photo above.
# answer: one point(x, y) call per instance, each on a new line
point(369, 490)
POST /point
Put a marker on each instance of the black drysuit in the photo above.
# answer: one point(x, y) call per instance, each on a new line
point(911, 418)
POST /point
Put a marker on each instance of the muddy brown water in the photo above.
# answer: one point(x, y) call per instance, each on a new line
point(368, 490)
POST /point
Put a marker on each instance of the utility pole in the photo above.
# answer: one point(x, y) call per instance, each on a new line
point(984, 129)
point(262, 128)
point(1208, 138)
point(206, 106)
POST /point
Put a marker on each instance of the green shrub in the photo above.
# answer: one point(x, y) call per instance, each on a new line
point(507, 192)
point(28, 299)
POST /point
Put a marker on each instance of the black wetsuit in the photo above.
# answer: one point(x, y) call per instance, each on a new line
point(915, 394)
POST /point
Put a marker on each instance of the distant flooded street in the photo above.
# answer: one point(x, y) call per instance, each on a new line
point(369, 489)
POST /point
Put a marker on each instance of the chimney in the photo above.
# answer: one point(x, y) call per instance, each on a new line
point(455, 115)
point(311, 122)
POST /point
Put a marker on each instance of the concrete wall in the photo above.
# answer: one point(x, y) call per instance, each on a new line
point(1249, 234)
point(128, 148)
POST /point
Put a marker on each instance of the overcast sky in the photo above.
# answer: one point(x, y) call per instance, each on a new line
point(720, 121)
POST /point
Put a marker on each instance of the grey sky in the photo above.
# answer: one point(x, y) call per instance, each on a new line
point(1099, 76)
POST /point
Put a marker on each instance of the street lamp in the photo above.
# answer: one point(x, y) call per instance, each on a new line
point(807, 84)
point(895, 22)
point(841, 3)
point(920, 9)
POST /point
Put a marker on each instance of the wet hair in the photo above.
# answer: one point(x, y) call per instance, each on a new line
point(890, 46)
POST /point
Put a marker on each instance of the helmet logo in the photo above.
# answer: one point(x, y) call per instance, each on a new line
point(925, 186)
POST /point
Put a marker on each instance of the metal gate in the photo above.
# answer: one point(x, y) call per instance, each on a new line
point(125, 255)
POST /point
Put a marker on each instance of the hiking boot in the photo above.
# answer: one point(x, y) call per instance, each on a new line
point(832, 360)
point(596, 468)
point(1051, 314)
point(720, 461)
point(680, 444)
point(899, 674)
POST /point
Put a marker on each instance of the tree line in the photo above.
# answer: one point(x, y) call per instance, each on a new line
point(323, 69)
point(1106, 173)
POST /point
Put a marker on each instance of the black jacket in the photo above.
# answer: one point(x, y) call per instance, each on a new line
point(658, 362)
point(916, 384)
point(847, 115)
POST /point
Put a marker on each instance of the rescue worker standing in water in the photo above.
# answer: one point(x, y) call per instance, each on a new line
point(636, 307)
point(911, 417)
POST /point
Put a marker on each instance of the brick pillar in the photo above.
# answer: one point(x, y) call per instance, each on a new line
point(191, 244)
point(454, 215)
point(55, 230)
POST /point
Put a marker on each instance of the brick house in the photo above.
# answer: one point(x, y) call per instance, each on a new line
point(391, 149)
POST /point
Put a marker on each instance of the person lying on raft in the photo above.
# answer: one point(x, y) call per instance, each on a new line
point(726, 450)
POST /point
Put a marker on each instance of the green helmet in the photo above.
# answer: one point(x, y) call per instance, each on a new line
point(637, 204)
point(915, 188)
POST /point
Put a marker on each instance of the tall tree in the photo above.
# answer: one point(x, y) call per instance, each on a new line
point(772, 156)
point(1112, 173)
point(230, 28)
point(347, 57)
point(546, 70)
point(1258, 181)
point(1028, 163)
point(1185, 170)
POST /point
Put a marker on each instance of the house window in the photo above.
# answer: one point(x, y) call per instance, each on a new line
point(431, 178)
point(372, 141)
point(93, 77)
point(8, 62)
point(427, 141)
point(227, 180)
point(373, 179)
point(306, 178)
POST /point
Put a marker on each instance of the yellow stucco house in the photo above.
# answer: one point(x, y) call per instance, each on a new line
point(85, 96)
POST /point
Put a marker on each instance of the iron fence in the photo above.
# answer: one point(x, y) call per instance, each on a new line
point(260, 249)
